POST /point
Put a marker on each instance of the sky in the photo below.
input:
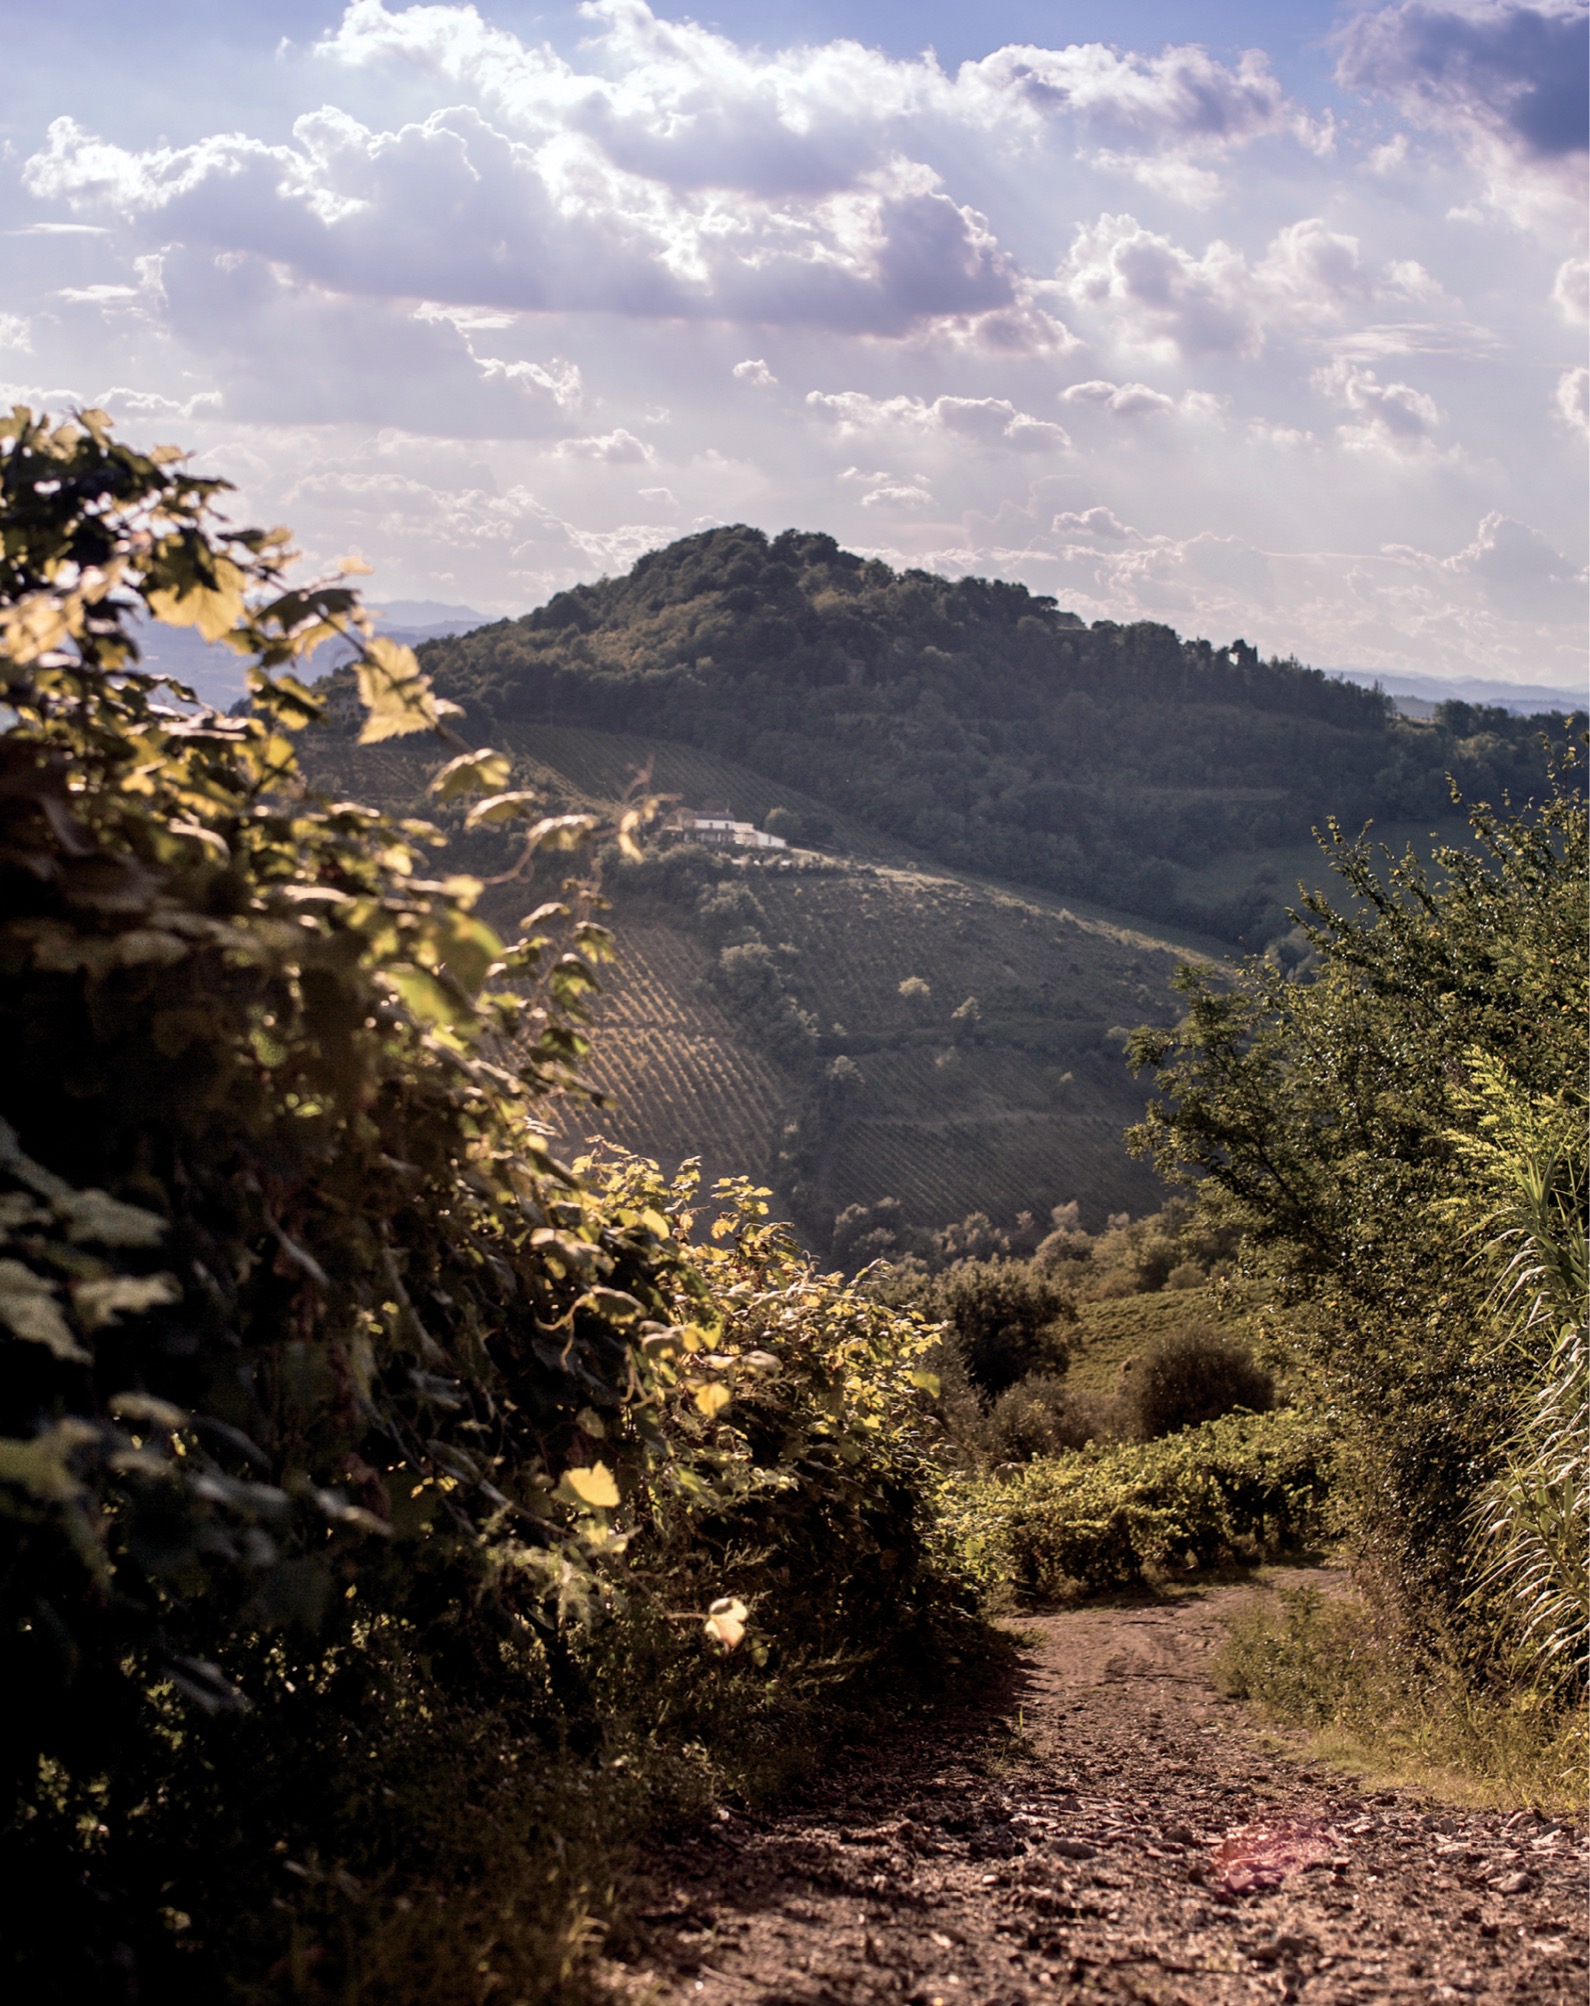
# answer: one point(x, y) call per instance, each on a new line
point(1262, 321)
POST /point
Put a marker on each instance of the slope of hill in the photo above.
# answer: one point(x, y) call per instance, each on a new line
point(978, 724)
point(842, 1090)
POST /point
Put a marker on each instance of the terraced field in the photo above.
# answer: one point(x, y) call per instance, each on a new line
point(1019, 1111)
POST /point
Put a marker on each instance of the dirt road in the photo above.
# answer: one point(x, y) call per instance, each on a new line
point(1121, 1833)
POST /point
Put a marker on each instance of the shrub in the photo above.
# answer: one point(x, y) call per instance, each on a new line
point(330, 1399)
point(1401, 1139)
point(1189, 1376)
point(1041, 1416)
point(1240, 1488)
point(1009, 1319)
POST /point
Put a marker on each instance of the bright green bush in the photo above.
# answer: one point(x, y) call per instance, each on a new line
point(1241, 1488)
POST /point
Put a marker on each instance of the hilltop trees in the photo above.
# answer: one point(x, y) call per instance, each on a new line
point(978, 721)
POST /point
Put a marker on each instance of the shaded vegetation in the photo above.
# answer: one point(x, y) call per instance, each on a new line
point(345, 1435)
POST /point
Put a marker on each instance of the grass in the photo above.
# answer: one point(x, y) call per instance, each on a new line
point(1400, 1709)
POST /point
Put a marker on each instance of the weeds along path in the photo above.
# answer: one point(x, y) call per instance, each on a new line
point(1118, 1832)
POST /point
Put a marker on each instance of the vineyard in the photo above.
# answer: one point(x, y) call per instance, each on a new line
point(1020, 1113)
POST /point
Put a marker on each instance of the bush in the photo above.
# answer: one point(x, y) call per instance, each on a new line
point(1242, 1488)
point(1401, 1140)
point(1190, 1376)
point(1009, 1319)
point(349, 1445)
point(1041, 1416)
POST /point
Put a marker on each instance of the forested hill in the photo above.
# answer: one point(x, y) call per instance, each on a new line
point(978, 722)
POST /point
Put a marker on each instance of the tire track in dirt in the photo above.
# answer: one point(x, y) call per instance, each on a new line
point(1070, 1849)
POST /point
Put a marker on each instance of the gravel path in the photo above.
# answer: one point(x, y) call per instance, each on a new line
point(1120, 1833)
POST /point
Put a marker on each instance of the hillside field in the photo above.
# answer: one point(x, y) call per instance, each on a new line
point(1025, 1113)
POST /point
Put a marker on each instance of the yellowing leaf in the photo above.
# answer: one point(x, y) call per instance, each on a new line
point(594, 1486)
point(726, 1620)
point(712, 1398)
point(430, 1000)
point(96, 1216)
point(395, 691)
point(928, 1382)
point(39, 1465)
point(480, 772)
point(500, 807)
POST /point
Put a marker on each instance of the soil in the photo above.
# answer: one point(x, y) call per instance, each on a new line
point(1118, 1831)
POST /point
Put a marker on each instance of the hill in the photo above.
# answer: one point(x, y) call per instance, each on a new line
point(754, 1016)
point(981, 725)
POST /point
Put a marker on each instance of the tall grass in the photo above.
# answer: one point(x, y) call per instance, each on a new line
point(1531, 1521)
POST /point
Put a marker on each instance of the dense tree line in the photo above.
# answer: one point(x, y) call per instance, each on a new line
point(977, 720)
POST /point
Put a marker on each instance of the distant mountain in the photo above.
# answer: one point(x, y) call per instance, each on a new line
point(1426, 692)
point(980, 724)
point(216, 675)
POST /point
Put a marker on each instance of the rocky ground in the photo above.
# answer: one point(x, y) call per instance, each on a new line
point(1119, 1832)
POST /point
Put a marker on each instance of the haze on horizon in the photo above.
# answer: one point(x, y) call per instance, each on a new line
point(1257, 327)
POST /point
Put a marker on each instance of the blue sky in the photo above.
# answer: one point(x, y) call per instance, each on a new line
point(1257, 320)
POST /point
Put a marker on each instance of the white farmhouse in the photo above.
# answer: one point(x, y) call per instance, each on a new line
point(721, 829)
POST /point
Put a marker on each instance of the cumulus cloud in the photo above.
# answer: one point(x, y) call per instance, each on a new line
point(681, 103)
point(1098, 523)
point(455, 210)
point(1120, 400)
point(1571, 293)
point(991, 421)
point(756, 373)
point(1156, 294)
point(16, 333)
point(1393, 415)
point(1517, 568)
point(1573, 399)
point(1519, 71)
point(1506, 81)
point(615, 449)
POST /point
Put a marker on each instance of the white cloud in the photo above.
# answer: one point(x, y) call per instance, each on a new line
point(1156, 295)
point(1573, 399)
point(1505, 81)
point(991, 421)
point(1515, 567)
point(616, 449)
point(374, 307)
point(1391, 415)
point(1098, 523)
point(1571, 293)
point(16, 333)
point(1120, 400)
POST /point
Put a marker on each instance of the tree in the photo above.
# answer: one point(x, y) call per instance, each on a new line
point(1333, 1120)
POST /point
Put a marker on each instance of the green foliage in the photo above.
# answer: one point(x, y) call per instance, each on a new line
point(1042, 1415)
point(1189, 1376)
point(1242, 1488)
point(977, 722)
point(327, 1397)
point(1349, 1126)
point(1008, 1318)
